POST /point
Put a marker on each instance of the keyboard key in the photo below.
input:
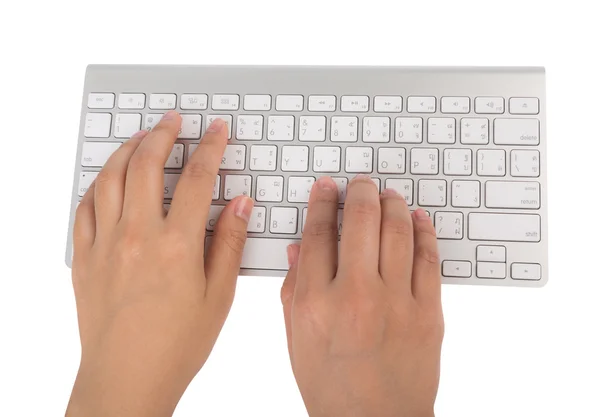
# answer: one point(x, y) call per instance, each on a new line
point(263, 158)
point(257, 102)
point(234, 158)
point(512, 194)
point(458, 269)
point(359, 159)
point(448, 225)
point(175, 159)
point(97, 125)
point(419, 104)
point(466, 193)
point(170, 183)
point(280, 128)
point(101, 100)
point(85, 180)
point(162, 101)
point(294, 158)
point(227, 118)
point(441, 130)
point(474, 131)
point(194, 102)
point(376, 129)
point(126, 124)
point(524, 163)
point(312, 129)
point(491, 253)
point(284, 220)
point(225, 102)
point(299, 189)
point(458, 162)
point(344, 129)
point(95, 154)
point(524, 105)
point(387, 104)
point(249, 127)
point(409, 130)
point(402, 186)
point(342, 185)
point(217, 188)
point(152, 120)
point(489, 105)
point(391, 161)
point(321, 103)
point(526, 271)
point(289, 103)
point(237, 185)
point(258, 219)
point(255, 249)
point(214, 212)
point(504, 227)
point(424, 161)
point(495, 270)
point(132, 101)
point(516, 132)
point(491, 162)
point(327, 159)
point(357, 104)
point(456, 105)
point(269, 188)
point(432, 193)
point(191, 126)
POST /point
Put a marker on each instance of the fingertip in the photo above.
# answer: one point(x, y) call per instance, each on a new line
point(293, 253)
point(217, 126)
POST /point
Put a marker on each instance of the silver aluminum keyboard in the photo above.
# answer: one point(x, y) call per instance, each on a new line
point(466, 144)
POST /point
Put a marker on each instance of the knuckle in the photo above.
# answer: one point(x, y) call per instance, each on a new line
point(396, 226)
point(198, 169)
point(321, 229)
point(143, 159)
point(106, 176)
point(362, 208)
point(428, 254)
point(426, 227)
point(233, 239)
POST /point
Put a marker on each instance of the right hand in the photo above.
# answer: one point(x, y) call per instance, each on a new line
point(365, 333)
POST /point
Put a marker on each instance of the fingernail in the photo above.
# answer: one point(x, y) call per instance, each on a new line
point(292, 254)
point(362, 177)
point(170, 115)
point(216, 126)
point(421, 214)
point(139, 135)
point(326, 183)
point(390, 192)
point(243, 208)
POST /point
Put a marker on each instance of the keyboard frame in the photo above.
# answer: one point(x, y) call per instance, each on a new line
point(343, 80)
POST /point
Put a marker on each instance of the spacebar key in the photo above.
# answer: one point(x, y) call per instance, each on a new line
point(504, 227)
point(264, 253)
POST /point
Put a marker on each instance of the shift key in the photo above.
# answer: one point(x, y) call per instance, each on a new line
point(504, 227)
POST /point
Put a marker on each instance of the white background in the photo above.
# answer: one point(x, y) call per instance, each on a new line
point(507, 352)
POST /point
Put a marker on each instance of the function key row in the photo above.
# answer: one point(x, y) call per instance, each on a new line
point(316, 103)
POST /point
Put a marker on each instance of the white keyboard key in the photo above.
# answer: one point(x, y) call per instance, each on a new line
point(280, 128)
point(97, 125)
point(432, 193)
point(269, 188)
point(249, 127)
point(234, 158)
point(491, 162)
point(419, 104)
point(227, 118)
point(321, 103)
point(255, 249)
point(263, 158)
point(525, 163)
point(284, 220)
point(85, 180)
point(516, 132)
point(531, 272)
point(95, 154)
point(312, 129)
point(225, 102)
point(175, 159)
point(402, 186)
point(126, 124)
point(342, 185)
point(191, 126)
point(217, 188)
point(358, 104)
point(299, 189)
point(409, 130)
point(524, 105)
point(466, 193)
point(294, 158)
point(474, 131)
point(441, 130)
point(489, 105)
point(162, 101)
point(170, 183)
point(194, 102)
point(359, 159)
point(495, 270)
point(344, 129)
point(237, 185)
point(214, 212)
point(327, 159)
point(132, 101)
point(376, 129)
point(258, 219)
point(458, 162)
point(387, 104)
point(512, 194)
point(152, 120)
point(449, 225)
point(491, 253)
point(101, 100)
point(391, 161)
point(456, 105)
point(289, 103)
point(257, 102)
point(458, 269)
point(504, 227)
point(377, 182)
point(424, 161)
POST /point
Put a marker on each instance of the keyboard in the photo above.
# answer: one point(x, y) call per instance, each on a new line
point(466, 144)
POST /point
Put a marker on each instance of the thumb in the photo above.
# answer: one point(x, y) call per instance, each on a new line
point(287, 291)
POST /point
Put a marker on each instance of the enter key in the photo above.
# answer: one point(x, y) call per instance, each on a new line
point(512, 194)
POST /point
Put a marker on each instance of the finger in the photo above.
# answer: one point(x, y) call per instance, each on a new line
point(287, 291)
point(319, 248)
point(225, 253)
point(193, 193)
point(396, 253)
point(359, 248)
point(144, 186)
point(426, 277)
point(84, 229)
point(110, 184)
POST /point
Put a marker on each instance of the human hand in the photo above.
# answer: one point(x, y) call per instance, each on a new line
point(150, 305)
point(365, 334)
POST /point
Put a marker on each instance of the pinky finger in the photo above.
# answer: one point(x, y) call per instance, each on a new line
point(426, 279)
point(84, 230)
